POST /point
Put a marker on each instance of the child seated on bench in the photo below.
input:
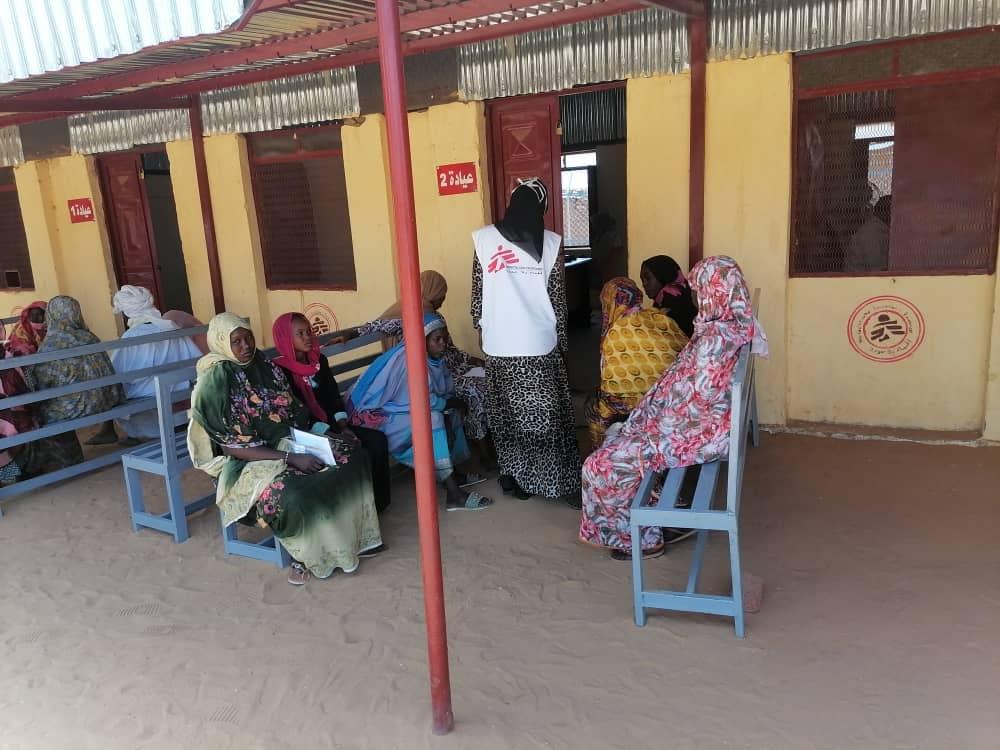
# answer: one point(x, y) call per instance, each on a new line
point(683, 420)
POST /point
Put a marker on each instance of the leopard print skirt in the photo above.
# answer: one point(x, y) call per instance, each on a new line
point(531, 418)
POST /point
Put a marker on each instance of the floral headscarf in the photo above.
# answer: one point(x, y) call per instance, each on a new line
point(619, 297)
point(66, 328)
point(26, 336)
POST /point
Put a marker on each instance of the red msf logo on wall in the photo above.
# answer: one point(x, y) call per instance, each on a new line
point(501, 259)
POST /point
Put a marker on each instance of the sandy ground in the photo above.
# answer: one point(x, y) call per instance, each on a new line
point(879, 627)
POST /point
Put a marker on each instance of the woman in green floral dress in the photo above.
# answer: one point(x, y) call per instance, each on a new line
point(243, 410)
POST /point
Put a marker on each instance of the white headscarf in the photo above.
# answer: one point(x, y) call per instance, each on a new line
point(136, 303)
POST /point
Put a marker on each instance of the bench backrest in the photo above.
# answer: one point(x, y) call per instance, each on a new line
point(743, 399)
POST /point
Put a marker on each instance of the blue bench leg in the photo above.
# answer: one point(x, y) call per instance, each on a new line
point(640, 611)
point(133, 488)
point(696, 560)
point(734, 560)
point(178, 513)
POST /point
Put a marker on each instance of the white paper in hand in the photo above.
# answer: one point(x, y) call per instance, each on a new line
point(314, 445)
point(475, 372)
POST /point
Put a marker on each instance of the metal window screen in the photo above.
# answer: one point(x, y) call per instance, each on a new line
point(304, 223)
point(14, 260)
point(897, 181)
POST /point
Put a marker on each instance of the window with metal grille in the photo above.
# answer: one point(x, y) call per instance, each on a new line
point(894, 180)
point(301, 194)
point(15, 265)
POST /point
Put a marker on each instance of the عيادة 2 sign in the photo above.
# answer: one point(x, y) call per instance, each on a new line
point(80, 210)
point(456, 179)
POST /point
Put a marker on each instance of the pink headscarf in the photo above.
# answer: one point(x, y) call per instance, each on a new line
point(300, 372)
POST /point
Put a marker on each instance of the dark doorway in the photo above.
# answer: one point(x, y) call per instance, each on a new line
point(142, 224)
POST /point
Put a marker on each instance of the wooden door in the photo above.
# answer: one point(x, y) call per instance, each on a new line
point(524, 134)
point(129, 227)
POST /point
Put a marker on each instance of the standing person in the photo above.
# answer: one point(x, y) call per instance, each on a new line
point(136, 303)
point(684, 420)
point(29, 332)
point(66, 330)
point(637, 347)
point(665, 284)
point(519, 308)
point(242, 413)
point(309, 373)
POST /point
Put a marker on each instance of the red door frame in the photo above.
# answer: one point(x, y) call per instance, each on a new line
point(110, 216)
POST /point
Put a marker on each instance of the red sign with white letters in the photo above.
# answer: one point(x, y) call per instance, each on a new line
point(456, 179)
point(80, 210)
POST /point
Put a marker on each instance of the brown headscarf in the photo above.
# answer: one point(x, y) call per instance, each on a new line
point(433, 286)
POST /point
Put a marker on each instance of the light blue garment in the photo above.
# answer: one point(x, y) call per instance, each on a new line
point(381, 399)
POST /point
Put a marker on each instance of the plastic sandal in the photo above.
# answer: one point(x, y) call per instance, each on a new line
point(474, 501)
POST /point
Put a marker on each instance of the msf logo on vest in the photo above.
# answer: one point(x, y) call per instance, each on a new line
point(502, 258)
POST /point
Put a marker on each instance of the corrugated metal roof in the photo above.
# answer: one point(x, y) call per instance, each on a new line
point(40, 36)
point(271, 105)
point(653, 41)
point(10, 147)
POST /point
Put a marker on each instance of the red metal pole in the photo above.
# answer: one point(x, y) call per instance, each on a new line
point(401, 179)
point(207, 217)
point(698, 47)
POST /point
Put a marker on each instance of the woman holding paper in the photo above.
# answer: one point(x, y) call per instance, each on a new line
point(243, 410)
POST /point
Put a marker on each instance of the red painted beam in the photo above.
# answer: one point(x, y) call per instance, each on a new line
point(205, 197)
point(408, 264)
point(281, 47)
point(695, 8)
point(698, 48)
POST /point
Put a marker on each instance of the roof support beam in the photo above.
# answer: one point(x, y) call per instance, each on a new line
point(693, 8)
point(297, 45)
point(72, 106)
point(698, 50)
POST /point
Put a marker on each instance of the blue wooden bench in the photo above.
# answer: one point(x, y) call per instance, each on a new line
point(701, 515)
point(126, 409)
point(175, 460)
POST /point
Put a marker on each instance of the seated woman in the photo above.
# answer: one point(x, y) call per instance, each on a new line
point(684, 420)
point(665, 284)
point(136, 304)
point(29, 332)
point(242, 412)
point(66, 330)
point(637, 347)
point(381, 400)
point(468, 387)
point(312, 381)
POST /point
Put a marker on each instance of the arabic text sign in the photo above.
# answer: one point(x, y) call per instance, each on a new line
point(455, 179)
point(80, 210)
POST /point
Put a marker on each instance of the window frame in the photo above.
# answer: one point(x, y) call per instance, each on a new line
point(894, 82)
point(298, 156)
point(592, 198)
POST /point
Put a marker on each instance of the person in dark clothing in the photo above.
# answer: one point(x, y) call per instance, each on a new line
point(664, 283)
point(313, 382)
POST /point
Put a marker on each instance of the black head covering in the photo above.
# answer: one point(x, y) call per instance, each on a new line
point(679, 306)
point(524, 221)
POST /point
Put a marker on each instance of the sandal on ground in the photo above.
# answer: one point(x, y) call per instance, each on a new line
point(469, 480)
point(510, 486)
point(298, 575)
point(373, 551)
point(624, 555)
point(672, 536)
point(474, 501)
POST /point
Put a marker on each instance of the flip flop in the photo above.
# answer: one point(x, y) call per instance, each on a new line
point(474, 501)
point(373, 551)
point(298, 575)
point(623, 555)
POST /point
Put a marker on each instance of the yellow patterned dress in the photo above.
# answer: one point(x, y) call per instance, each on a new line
point(637, 347)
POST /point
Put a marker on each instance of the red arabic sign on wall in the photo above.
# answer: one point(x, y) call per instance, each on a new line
point(80, 210)
point(455, 179)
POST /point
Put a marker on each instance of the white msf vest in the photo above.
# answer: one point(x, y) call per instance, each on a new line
point(518, 319)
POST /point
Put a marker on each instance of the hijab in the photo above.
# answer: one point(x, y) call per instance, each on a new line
point(523, 222)
point(220, 328)
point(433, 286)
point(27, 336)
point(301, 373)
point(619, 297)
point(66, 328)
point(675, 296)
point(136, 303)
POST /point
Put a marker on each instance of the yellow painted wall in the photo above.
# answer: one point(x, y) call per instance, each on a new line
point(658, 121)
point(940, 387)
point(748, 176)
point(991, 430)
point(66, 258)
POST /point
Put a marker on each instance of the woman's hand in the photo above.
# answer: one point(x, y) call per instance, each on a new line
point(305, 463)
